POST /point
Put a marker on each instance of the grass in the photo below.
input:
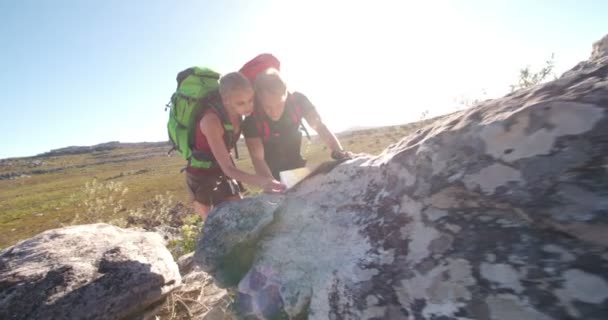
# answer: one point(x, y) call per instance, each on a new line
point(30, 205)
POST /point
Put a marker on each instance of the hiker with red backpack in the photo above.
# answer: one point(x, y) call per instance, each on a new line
point(273, 132)
point(204, 126)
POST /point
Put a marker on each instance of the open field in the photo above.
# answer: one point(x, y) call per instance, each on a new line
point(46, 192)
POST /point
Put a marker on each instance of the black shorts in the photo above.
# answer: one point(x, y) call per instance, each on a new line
point(212, 189)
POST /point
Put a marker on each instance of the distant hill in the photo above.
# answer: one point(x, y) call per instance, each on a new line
point(101, 147)
point(358, 128)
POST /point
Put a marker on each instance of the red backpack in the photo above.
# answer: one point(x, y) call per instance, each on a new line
point(251, 69)
point(258, 64)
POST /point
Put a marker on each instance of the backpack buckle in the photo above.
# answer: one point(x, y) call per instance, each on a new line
point(171, 151)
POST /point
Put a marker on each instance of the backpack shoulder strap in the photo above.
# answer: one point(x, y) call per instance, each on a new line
point(215, 102)
point(261, 124)
point(297, 114)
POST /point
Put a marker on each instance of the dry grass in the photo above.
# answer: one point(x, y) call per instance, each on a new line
point(196, 299)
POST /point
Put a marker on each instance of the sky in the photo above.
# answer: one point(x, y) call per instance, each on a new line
point(85, 72)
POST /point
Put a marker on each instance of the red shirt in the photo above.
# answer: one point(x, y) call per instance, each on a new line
point(201, 144)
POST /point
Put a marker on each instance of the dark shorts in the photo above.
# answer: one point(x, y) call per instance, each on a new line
point(212, 189)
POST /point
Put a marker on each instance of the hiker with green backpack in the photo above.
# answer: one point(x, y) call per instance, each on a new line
point(273, 132)
point(204, 126)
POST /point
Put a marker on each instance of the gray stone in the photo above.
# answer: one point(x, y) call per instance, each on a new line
point(95, 271)
point(185, 263)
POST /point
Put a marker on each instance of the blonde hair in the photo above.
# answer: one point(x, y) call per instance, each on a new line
point(233, 81)
point(270, 81)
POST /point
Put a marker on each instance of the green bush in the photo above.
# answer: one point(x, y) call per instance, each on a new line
point(188, 237)
point(160, 210)
point(529, 78)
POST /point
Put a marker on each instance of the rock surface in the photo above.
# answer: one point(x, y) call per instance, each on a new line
point(496, 212)
point(93, 271)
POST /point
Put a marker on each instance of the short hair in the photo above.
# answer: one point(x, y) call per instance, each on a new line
point(270, 81)
point(233, 81)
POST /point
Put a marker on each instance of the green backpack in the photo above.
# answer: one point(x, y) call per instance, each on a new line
point(197, 89)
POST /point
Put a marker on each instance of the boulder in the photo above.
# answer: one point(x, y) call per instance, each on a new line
point(495, 212)
point(95, 271)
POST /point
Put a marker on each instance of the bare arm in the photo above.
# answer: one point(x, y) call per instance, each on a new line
point(211, 127)
point(314, 120)
point(256, 151)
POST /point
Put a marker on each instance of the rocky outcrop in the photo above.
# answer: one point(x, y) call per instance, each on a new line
point(93, 271)
point(23, 174)
point(82, 149)
point(17, 168)
point(106, 146)
point(496, 212)
point(13, 176)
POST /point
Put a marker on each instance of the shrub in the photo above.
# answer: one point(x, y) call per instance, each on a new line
point(101, 202)
point(187, 238)
point(161, 210)
point(528, 78)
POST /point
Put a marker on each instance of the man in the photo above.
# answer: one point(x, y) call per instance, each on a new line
point(272, 132)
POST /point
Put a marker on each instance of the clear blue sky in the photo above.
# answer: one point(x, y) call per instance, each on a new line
point(85, 72)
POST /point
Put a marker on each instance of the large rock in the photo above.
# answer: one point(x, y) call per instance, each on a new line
point(93, 271)
point(496, 212)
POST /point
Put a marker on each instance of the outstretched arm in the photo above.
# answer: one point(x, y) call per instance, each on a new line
point(314, 120)
point(256, 151)
point(211, 127)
